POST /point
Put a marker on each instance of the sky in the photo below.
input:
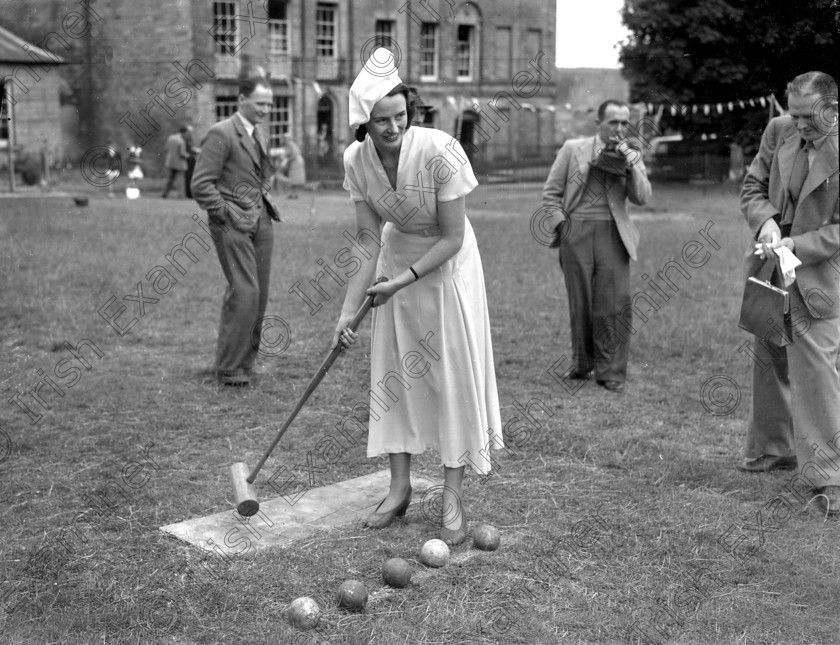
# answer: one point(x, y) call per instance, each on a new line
point(587, 32)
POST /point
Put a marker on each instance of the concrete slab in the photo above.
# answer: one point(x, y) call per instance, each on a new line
point(279, 523)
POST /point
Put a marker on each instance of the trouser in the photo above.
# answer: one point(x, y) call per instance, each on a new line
point(796, 401)
point(596, 268)
point(246, 263)
point(188, 177)
point(170, 183)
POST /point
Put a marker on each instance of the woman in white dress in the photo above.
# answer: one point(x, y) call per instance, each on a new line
point(433, 382)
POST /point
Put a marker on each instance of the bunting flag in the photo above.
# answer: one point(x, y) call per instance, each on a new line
point(463, 102)
point(718, 108)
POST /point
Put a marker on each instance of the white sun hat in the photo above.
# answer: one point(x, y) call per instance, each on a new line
point(378, 77)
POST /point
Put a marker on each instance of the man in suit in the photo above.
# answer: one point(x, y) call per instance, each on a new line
point(790, 199)
point(176, 159)
point(231, 182)
point(586, 192)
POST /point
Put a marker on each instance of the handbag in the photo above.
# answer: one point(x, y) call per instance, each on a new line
point(766, 303)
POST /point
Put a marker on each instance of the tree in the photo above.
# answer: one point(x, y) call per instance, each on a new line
point(716, 51)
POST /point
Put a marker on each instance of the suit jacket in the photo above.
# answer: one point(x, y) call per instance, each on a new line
point(176, 152)
point(563, 189)
point(226, 180)
point(816, 221)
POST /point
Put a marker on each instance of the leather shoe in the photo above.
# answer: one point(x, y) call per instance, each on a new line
point(381, 520)
point(234, 380)
point(573, 373)
point(455, 537)
point(828, 498)
point(612, 386)
point(766, 463)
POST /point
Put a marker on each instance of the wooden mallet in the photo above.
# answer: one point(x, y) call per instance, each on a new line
point(244, 491)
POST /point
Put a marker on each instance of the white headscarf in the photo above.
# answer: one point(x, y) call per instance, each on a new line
point(378, 77)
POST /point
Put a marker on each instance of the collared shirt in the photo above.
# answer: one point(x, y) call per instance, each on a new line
point(249, 127)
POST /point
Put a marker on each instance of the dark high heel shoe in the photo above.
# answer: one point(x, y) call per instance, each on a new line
point(454, 538)
point(381, 520)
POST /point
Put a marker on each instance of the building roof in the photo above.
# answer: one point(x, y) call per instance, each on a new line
point(12, 50)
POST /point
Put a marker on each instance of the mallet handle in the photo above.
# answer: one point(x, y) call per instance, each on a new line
point(319, 375)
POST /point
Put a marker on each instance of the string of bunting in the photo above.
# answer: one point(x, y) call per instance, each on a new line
point(708, 108)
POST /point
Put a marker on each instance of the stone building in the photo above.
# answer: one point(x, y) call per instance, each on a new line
point(139, 69)
point(30, 110)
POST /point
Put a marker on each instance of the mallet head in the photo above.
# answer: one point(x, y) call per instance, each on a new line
point(245, 494)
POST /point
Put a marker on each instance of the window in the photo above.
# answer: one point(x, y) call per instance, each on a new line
point(224, 27)
point(464, 52)
point(384, 34)
point(280, 121)
point(429, 51)
point(278, 28)
point(325, 31)
point(533, 42)
point(226, 106)
point(504, 52)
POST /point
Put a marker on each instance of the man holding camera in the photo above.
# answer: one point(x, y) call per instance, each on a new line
point(586, 191)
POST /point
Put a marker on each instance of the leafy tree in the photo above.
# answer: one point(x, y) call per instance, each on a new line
point(716, 51)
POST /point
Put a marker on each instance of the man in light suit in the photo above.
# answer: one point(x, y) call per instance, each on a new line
point(231, 182)
point(586, 191)
point(790, 198)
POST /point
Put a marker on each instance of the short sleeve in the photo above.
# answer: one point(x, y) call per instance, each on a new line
point(453, 173)
point(351, 184)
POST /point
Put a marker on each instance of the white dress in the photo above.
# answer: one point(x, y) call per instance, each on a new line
point(433, 383)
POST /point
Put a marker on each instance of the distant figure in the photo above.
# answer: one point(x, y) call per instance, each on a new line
point(176, 159)
point(192, 153)
point(135, 171)
point(135, 165)
point(323, 142)
point(294, 169)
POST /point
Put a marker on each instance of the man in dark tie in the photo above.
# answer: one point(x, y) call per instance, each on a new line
point(231, 182)
point(790, 199)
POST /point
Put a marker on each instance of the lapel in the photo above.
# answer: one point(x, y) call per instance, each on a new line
point(825, 165)
point(583, 157)
point(247, 142)
point(791, 143)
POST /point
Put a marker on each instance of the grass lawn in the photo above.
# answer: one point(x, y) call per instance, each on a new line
point(623, 519)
